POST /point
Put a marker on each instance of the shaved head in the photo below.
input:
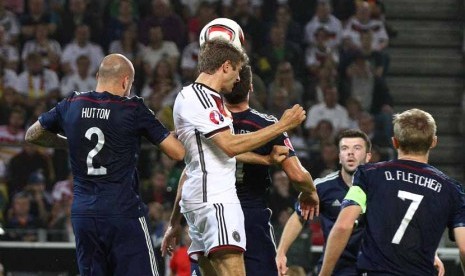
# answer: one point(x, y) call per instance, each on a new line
point(115, 66)
point(114, 70)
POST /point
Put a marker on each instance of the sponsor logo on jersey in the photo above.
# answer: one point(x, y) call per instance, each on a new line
point(236, 236)
point(216, 117)
point(336, 203)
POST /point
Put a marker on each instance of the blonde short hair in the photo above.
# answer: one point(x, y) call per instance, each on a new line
point(415, 130)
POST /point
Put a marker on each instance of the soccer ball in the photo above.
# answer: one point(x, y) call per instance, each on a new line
point(224, 28)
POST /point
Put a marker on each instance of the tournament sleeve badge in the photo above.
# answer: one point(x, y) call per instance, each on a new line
point(216, 117)
point(288, 144)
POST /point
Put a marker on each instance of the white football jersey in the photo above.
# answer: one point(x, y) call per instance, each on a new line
point(199, 114)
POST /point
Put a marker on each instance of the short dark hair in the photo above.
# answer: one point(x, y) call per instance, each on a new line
point(214, 52)
point(354, 133)
point(242, 88)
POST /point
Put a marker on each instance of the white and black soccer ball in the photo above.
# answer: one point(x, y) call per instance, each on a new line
point(224, 28)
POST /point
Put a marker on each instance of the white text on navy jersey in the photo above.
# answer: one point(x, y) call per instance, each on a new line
point(420, 180)
point(95, 113)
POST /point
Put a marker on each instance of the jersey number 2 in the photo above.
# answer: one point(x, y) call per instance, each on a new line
point(91, 170)
point(416, 200)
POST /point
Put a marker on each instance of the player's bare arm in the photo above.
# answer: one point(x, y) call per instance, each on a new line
point(291, 231)
point(459, 234)
point(338, 237)
point(174, 226)
point(37, 135)
point(172, 147)
point(233, 145)
point(277, 156)
point(298, 175)
point(302, 182)
point(439, 265)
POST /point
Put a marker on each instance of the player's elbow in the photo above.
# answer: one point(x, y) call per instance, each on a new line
point(179, 154)
point(230, 151)
point(29, 137)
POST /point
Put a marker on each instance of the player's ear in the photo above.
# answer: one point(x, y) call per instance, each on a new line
point(226, 66)
point(124, 83)
point(368, 157)
point(434, 143)
point(395, 142)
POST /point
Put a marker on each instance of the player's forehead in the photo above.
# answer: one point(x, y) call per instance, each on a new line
point(351, 142)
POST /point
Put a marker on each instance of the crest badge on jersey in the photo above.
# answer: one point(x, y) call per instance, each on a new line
point(236, 236)
point(288, 144)
point(216, 117)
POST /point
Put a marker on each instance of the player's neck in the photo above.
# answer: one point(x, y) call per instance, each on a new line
point(346, 177)
point(111, 90)
point(211, 81)
point(235, 108)
point(422, 158)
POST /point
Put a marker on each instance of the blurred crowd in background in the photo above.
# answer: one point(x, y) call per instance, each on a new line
point(328, 56)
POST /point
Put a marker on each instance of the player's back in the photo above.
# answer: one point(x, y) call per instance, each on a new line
point(253, 180)
point(409, 205)
point(103, 132)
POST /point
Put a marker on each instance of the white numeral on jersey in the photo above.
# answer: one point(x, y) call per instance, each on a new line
point(101, 140)
point(416, 200)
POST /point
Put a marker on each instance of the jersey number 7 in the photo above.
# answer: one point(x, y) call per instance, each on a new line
point(416, 200)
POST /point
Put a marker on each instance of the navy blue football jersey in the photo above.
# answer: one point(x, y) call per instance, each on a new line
point(104, 133)
point(331, 190)
point(252, 180)
point(408, 207)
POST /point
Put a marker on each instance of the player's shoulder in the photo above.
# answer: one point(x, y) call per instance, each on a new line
point(264, 118)
point(319, 182)
point(446, 178)
point(196, 95)
point(376, 166)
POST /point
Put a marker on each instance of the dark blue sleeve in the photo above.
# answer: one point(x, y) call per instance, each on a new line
point(457, 218)
point(298, 211)
point(149, 126)
point(53, 119)
point(283, 140)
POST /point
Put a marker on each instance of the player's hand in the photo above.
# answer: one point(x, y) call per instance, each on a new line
point(309, 205)
point(169, 239)
point(281, 263)
point(278, 154)
point(439, 266)
point(293, 117)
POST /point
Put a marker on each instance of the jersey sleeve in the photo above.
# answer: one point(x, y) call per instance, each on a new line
point(149, 126)
point(457, 218)
point(298, 211)
point(210, 120)
point(283, 139)
point(52, 120)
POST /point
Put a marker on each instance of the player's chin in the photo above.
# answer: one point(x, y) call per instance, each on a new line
point(350, 169)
